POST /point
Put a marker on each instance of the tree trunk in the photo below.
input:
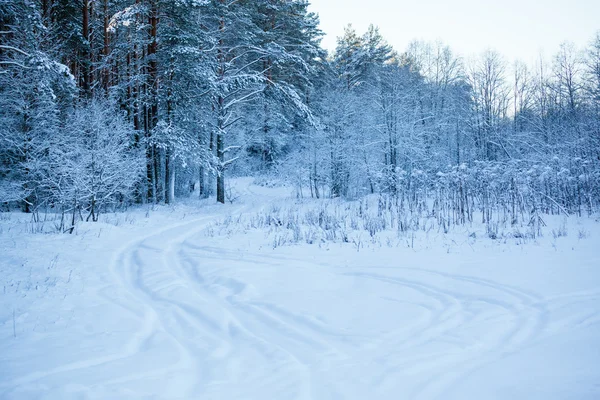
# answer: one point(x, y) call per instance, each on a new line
point(106, 51)
point(202, 192)
point(220, 169)
point(151, 114)
point(221, 116)
point(172, 183)
point(157, 183)
point(221, 188)
point(169, 177)
point(85, 63)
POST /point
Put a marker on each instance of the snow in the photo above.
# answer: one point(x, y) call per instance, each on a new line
point(173, 303)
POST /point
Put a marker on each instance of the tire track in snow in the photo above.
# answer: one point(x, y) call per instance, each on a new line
point(532, 317)
point(239, 330)
point(525, 312)
point(528, 311)
point(150, 284)
point(146, 329)
point(188, 318)
point(571, 303)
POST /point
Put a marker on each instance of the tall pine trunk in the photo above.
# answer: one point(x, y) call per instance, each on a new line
point(221, 155)
point(169, 177)
point(221, 116)
point(106, 50)
point(86, 56)
point(151, 114)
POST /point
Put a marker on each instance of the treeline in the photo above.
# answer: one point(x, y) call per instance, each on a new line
point(104, 103)
point(470, 135)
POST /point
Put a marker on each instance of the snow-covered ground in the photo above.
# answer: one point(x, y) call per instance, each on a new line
point(191, 302)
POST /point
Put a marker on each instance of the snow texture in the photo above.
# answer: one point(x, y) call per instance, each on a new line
point(156, 304)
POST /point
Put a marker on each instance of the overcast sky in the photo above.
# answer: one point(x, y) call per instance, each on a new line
point(516, 28)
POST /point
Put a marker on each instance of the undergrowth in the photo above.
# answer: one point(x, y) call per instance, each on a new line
point(380, 221)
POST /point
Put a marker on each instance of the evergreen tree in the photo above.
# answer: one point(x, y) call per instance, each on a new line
point(35, 92)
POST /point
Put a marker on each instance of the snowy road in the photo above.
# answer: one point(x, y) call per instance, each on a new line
point(194, 318)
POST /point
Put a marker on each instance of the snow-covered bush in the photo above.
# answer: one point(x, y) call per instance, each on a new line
point(92, 163)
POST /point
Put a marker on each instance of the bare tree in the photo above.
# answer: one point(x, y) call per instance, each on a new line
point(491, 95)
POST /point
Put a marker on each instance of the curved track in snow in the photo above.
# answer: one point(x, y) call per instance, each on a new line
point(219, 333)
point(207, 321)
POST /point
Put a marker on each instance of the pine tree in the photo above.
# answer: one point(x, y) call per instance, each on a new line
point(35, 91)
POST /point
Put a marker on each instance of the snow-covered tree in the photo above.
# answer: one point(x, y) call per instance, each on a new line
point(35, 94)
point(91, 163)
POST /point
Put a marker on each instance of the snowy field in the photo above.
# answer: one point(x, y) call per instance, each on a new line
point(200, 301)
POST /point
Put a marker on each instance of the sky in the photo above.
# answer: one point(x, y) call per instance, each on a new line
point(518, 29)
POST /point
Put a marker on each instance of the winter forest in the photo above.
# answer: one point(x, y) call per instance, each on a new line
point(198, 200)
point(107, 103)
